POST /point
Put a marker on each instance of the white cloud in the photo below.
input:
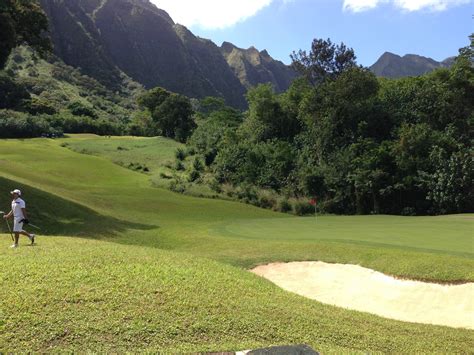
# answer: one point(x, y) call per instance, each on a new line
point(361, 5)
point(407, 5)
point(436, 5)
point(214, 14)
point(211, 13)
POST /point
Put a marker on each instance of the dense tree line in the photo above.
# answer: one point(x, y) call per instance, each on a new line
point(357, 143)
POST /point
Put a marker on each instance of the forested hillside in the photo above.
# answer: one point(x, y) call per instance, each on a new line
point(47, 97)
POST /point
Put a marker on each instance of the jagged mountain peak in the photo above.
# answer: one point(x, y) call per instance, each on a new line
point(391, 65)
point(389, 55)
point(253, 67)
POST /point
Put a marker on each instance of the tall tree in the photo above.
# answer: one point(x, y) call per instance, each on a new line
point(325, 60)
point(267, 118)
point(22, 22)
point(171, 113)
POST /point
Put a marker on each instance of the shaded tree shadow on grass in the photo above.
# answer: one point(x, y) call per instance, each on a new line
point(58, 216)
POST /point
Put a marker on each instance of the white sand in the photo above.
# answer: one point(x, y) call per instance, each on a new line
point(362, 289)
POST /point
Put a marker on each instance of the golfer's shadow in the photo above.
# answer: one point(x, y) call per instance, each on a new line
point(58, 216)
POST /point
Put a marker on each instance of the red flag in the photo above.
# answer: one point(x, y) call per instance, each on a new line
point(313, 201)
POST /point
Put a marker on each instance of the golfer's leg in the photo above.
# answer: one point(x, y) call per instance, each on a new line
point(25, 233)
point(17, 229)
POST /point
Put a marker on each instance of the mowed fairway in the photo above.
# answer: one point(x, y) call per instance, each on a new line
point(126, 266)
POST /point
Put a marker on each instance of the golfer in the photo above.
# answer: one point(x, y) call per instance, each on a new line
point(18, 212)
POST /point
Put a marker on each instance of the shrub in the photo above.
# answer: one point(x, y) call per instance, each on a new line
point(165, 176)
point(190, 151)
point(210, 156)
point(134, 166)
point(179, 166)
point(265, 200)
point(247, 194)
point(215, 186)
point(177, 185)
point(408, 211)
point(194, 175)
point(198, 165)
point(180, 154)
point(303, 208)
point(284, 206)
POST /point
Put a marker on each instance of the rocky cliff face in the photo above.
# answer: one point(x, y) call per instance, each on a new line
point(253, 67)
point(391, 65)
point(77, 40)
point(107, 37)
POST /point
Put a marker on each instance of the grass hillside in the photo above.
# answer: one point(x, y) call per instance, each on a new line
point(123, 266)
point(153, 156)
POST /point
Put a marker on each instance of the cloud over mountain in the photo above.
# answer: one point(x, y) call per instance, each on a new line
point(211, 13)
point(407, 5)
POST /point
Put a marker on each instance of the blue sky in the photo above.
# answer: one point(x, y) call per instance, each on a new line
point(433, 28)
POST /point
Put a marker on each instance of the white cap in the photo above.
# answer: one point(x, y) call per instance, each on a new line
point(16, 191)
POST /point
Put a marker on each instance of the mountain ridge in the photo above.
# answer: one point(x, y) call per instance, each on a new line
point(394, 66)
point(252, 66)
point(105, 38)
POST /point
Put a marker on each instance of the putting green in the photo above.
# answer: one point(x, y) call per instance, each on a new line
point(444, 234)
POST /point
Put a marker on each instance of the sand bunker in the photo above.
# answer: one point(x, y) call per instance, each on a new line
point(361, 289)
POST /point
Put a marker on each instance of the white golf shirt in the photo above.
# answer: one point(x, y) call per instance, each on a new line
point(17, 206)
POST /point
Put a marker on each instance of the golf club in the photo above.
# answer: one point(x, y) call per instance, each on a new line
point(9, 228)
point(27, 222)
point(35, 227)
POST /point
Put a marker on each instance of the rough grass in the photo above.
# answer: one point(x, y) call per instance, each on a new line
point(129, 152)
point(136, 272)
point(154, 156)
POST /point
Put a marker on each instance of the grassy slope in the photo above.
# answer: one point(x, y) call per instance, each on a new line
point(157, 154)
point(154, 153)
point(77, 293)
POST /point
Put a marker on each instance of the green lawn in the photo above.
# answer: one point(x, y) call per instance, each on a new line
point(451, 235)
point(125, 266)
